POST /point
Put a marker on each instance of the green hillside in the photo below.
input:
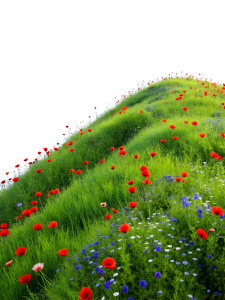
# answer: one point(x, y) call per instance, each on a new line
point(175, 127)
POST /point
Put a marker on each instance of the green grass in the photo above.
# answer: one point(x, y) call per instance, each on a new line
point(79, 214)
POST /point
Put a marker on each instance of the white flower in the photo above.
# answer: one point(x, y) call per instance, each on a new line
point(38, 267)
point(116, 294)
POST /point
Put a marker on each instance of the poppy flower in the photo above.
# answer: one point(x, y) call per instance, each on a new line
point(153, 154)
point(175, 138)
point(132, 189)
point(81, 129)
point(25, 279)
point(39, 152)
point(164, 121)
point(90, 130)
point(145, 173)
point(57, 191)
point(56, 149)
point(217, 210)
point(194, 123)
point(172, 127)
point(38, 267)
point(21, 251)
point(163, 141)
point(136, 156)
point(121, 147)
point(202, 233)
point(51, 192)
point(78, 171)
point(15, 179)
point(183, 180)
point(72, 170)
point(48, 195)
point(33, 209)
point(115, 211)
point(85, 294)
point(108, 217)
point(53, 224)
point(103, 204)
point(143, 168)
point(223, 135)
point(3, 181)
point(4, 226)
point(133, 204)
point(184, 174)
point(9, 263)
point(101, 161)
point(27, 212)
point(86, 162)
point(113, 167)
point(70, 143)
point(25, 159)
point(109, 263)
point(124, 228)
point(112, 149)
point(202, 135)
point(71, 150)
point(185, 108)
point(146, 181)
point(17, 166)
point(141, 111)
point(38, 194)
point(63, 252)
point(33, 202)
point(20, 217)
point(122, 152)
point(48, 160)
point(45, 149)
point(4, 232)
point(81, 132)
point(37, 227)
point(178, 179)
point(39, 170)
point(185, 122)
point(130, 182)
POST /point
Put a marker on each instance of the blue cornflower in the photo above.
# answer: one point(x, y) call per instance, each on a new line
point(95, 255)
point(87, 258)
point(97, 284)
point(113, 243)
point(185, 262)
point(128, 245)
point(83, 251)
point(160, 292)
point(130, 298)
point(19, 204)
point(71, 278)
point(107, 285)
point(102, 248)
point(158, 275)
point(125, 289)
point(146, 251)
point(57, 270)
point(101, 272)
point(192, 243)
point(200, 215)
point(183, 239)
point(78, 267)
point(158, 248)
point(96, 269)
point(142, 283)
point(200, 210)
point(210, 256)
point(97, 243)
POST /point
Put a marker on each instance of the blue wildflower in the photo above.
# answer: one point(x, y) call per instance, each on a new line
point(142, 283)
point(125, 289)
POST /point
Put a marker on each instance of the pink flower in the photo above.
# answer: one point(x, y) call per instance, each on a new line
point(38, 267)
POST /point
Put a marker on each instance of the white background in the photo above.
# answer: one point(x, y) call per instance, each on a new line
point(60, 59)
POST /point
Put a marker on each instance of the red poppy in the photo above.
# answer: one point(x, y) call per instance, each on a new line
point(115, 211)
point(124, 228)
point(39, 170)
point(72, 170)
point(141, 111)
point(145, 173)
point(27, 212)
point(112, 149)
point(70, 143)
point(175, 138)
point(217, 210)
point(185, 108)
point(38, 194)
point(25, 279)
point(3, 181)
point(90, 130)
point(172, 126)
point(57, 191)
point(33, 202)
point(33, 209)
point(39, 152)
point(78, 171)
point(133, 204)
point(20, 217)
point(185, 122)
point(146, 181)
point(53, 224)
point(45, 149)
point(153, 154)
point(101, 161)
point(86, 162)
point(164, 121)
point(109, 263)
point(130, 182)
point(4, 232)
point(15, 179)
point(85, 294)
point(178, 179)
point(163, 141)
point(223, 135)
point(56, 149)
point(37, 227)
point(184, 174)
point(121, 147)
point(48, 160)
point(51, 192)
point(81, 132)
point(17, 166)
point(113, 167)
point(9, 263)
point(108, 217)
point(47, 195)
point(4, 226)
point(21, 251)
point(122, 152)
point(25, 159)
point(202, 135)
point(136, 156)
point(194, 123)
point(202, 233)
point(142, 168)
point(71, 150)
point(132, 189)
point(81, 129)
point(63, 252)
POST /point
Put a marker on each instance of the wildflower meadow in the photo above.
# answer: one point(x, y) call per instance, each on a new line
point(129, 207)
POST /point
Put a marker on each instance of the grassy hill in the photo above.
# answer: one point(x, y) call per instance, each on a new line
point(163, 255)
